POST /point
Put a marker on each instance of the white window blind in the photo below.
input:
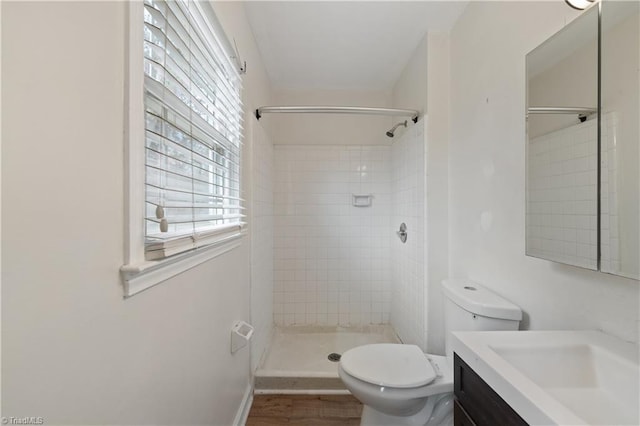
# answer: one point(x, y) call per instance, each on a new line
point(193, 125)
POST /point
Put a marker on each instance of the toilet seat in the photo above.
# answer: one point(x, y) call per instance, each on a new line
point(389, 364)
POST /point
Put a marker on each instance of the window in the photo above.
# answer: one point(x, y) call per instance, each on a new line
point(185, 156)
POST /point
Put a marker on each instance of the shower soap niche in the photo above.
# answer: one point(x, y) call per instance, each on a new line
point(240, 334)
point(362, 200)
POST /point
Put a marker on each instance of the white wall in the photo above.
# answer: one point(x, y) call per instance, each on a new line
point(438, 130)
point(410, 90)
point(334, 129)
point(332, 263)
point(74, 351)
point(487, 167)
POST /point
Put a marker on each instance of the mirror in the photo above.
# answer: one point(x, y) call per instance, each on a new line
point(620, 139)
point(566, 220)
point(562, 141)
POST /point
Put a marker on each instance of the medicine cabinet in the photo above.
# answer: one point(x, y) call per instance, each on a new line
point(582, 181)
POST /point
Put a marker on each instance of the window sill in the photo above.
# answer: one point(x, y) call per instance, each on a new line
point(138, 277)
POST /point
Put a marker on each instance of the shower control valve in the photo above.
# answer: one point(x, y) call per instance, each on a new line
point(402, 233)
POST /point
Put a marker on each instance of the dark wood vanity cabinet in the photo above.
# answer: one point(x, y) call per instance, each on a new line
point(476, 404)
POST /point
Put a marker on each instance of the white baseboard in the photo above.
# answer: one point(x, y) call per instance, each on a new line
point(245, 407)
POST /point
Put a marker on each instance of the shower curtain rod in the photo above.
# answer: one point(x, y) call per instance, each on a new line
point(582, 112)
point(414, 114)
point(561, 110)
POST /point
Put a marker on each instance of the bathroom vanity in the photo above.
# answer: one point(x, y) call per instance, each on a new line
point(545, 377)
point(476, 403)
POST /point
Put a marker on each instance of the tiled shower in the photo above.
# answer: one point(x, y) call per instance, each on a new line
point(337, 264)
point(332, 262)
point(408, 309)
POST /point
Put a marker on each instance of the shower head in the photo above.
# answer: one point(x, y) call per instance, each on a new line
point(391, 132)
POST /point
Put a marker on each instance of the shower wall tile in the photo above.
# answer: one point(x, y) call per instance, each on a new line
point(331, 259)
point(408, 188)
point(610, 260)
point(562, 195)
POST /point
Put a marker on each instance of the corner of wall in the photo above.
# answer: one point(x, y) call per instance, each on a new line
point(424, 85)
point(437, 187)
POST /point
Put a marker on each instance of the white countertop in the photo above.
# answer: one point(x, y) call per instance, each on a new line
point(557, 377)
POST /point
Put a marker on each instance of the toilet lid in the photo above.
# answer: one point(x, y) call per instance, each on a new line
point(389, 364)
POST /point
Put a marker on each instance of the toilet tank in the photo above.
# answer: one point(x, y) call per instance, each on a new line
point(472, 307)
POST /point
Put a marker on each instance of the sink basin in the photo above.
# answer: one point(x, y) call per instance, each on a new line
point(558, 377)
point(587, 379)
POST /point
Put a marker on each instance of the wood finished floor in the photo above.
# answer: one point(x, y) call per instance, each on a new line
point(304, 410)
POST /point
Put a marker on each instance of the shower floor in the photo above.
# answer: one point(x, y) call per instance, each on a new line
point(297, 359)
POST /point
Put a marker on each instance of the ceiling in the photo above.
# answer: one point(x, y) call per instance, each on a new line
point(359, 45)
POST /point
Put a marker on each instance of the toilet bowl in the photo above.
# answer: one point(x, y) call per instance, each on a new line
point(400, 385)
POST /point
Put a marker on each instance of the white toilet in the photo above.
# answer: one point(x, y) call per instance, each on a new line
point(399, 384)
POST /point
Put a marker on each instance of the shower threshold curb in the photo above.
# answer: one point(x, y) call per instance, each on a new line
point(281, 384)
point(301, 392)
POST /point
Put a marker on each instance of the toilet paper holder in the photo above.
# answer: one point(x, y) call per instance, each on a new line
point(240, 334)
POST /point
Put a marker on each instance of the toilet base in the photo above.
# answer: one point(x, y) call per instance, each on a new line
point(437, 411)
